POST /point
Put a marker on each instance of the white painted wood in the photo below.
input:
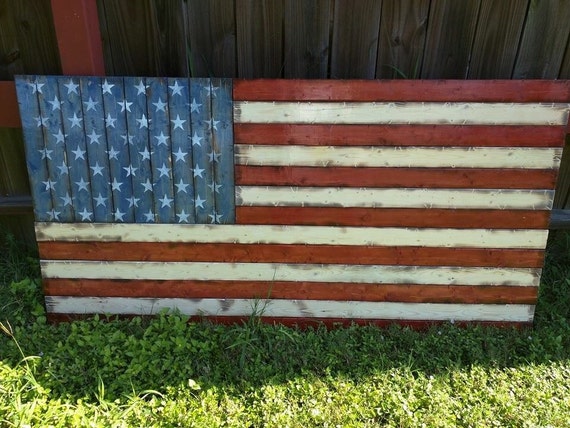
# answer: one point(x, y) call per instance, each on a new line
point(292, 308)
point(269, 272)
point(318, 235)
point(416, 157)
point(401, 113)
point(393, 198)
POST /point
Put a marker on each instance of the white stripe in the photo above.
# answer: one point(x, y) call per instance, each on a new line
point(292, 308)
point(401, 113)
point(393, 198)
point(413, 157)
point(269, 272)
point(267, 234)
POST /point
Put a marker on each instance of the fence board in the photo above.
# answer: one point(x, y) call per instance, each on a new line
point(449, 39)
point(497, 38)
point(402, 38)
point(355, 39)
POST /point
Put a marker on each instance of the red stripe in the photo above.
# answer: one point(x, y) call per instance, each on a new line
point(457, 178)
point(402, 90)
point(293, 290)
point(276, 253)
point(400, 135)
point(393, 217)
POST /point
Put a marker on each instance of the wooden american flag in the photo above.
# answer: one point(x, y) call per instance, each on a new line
point(367, 201)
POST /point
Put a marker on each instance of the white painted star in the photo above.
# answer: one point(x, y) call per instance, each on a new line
point(85, 215)
point(115, 185)
point(196, 140)
point(160, 105)
point(213, 156)
point(125, 105)
point(71, 87)
point(215, 217)
point(214, 187)
point(75, 120)
point(128, 138)
point(79, 154)
point(106, 87)
point(82, 185)
point(165, 201)
point(182, 217)
point(141, 88)
point(211, 90)
point(46, 153)
point(143, 122)
point(113, 153)
point(63, 168)
point(145, 154)
point(66, 199)
point(109, 121)
point(181, 187)
point(55, 104)
point(90, 104)
point(49, 184)
point(178, 122)
point(176, 88)
point(198, 171)
point(59, 137)
point(149, 216)
point(133, 202)
point(195, 107)
point(212, 124)
point(100, 200)
point(97, 169)
point(53, 214)
point(36, 87)
point(199, 202)
point(41, 121)
point(93, 137)
point(130, 170)
point(162, 139)
point(147, 186)
point(119, 215)
point(180, 155)
point(164, 170)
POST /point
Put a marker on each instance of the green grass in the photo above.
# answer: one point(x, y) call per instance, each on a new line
point(166, 372)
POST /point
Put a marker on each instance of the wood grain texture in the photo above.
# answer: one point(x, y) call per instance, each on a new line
point(9, 114)
point(545, 36)
point(355, 39)
point(497, 39)
point(449, 39)
point(494, 294)
point(282, 253)
point(259, 38)
point(402, 38)
point(306, 32)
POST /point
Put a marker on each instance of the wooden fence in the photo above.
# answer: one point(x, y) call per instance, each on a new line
point(367, 39)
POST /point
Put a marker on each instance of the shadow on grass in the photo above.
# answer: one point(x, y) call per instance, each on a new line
point(137, 355)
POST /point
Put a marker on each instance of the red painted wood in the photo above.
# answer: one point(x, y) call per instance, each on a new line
point(9, 112)
point(408, 293)
point(400, 135)
point(456, 178)
point(394, 217)
point(403, 90)
point(274, 253)
point(78, 36)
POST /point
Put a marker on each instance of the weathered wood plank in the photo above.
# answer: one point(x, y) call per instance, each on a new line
point(290, 308)
point(406, 157)
point(310, 235)
point(280, 253)
point(449, 39)
point(306, 39)
point(402, 38)
point(9, 113)
point(497, 39)
point(355, 39)
point(395, 113)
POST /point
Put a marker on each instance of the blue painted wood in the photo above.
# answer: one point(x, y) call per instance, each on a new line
point(75, 148)
point(98, 159)
point(138, 125)
point(27, 89)
point(118, 143)
point(160, 154)
point(201, 139)
point(222, 153)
